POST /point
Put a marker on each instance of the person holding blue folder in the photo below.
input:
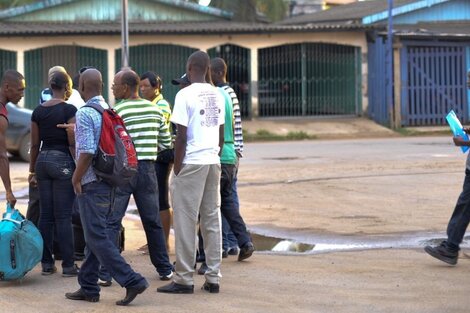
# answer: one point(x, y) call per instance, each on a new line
point(448, 250)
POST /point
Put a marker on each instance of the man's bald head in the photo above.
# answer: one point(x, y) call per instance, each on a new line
point(197, 66)
point(131, 79)
point(126, 84)
point(90, 84)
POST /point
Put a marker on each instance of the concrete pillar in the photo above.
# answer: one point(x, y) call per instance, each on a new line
point(397, 86)
point(254, 109)
point(111, 73)
point(20, 67)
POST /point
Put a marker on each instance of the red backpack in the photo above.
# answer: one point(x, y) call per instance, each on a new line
point(115, 161)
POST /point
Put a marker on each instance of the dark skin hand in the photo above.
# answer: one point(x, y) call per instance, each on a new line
point(180, 148)
point(83, 163)
point(70, 129)
point(459, 141)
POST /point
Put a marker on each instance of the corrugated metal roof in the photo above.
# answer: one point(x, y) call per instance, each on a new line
point(353, 12)
point(177, 28)
point(454, 30)
point(48, 4)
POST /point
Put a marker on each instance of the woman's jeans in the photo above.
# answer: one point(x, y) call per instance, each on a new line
point(54, 170)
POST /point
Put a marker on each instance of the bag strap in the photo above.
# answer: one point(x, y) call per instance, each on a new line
point(95, 106)
point(9, 208)
point(8, 216)
point(12, 220)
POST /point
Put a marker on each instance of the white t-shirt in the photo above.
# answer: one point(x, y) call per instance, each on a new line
point(200, 108)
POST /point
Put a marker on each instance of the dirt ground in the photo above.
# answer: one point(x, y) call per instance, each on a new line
point(323, 191)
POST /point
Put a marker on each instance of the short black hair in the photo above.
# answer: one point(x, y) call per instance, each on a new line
point(11, 75)
point(154, 79)
point(83, 69)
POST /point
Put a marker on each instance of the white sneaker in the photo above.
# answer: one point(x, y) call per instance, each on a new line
point(166, 277)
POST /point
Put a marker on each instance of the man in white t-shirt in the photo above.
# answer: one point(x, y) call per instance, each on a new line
point(199, 116)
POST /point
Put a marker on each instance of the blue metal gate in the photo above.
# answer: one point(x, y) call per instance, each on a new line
point(376, 82)
point(433, 83)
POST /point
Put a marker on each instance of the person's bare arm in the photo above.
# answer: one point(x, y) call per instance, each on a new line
point(33, 153)
point(221, 138)
point(180, 148)
point(4, 163)
point(70, 129)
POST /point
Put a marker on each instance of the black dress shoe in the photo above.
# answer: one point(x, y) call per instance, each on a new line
point(131, 293)
point(246, 251)
point(80, 295)
point(176, 288)
point(212, 288)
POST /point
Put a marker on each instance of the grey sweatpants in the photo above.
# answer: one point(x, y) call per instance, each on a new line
point(194, 192)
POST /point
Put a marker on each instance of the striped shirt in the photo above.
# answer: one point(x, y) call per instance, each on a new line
point(164, 106)
point(237, 119)
point(166, 110)
point(146, 126)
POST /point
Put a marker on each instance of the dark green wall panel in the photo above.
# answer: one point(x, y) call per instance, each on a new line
point(38, 62)
point(168, 61)
point(309, 79)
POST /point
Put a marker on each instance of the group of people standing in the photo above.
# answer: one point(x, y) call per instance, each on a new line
point(203, 149)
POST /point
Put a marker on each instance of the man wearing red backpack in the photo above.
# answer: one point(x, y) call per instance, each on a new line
point(94, 202)
point(150, 133)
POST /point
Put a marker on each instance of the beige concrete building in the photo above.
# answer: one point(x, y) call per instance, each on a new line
point(277, 70)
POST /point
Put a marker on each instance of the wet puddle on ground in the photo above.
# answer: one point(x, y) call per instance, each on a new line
point(278, 241)
point(265, 243)
point(314, 244)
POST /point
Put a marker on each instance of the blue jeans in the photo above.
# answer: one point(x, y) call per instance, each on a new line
point(460, 217)
point(228, 208)
point(229, 239)
point(95, 204)
point(54, 170)
point(145, 190)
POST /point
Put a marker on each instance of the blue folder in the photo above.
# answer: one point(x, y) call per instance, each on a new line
point(457, 128)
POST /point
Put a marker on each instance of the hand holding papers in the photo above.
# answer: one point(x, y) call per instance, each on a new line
point(457, 128)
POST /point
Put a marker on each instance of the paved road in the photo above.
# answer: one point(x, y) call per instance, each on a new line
point(342, 188)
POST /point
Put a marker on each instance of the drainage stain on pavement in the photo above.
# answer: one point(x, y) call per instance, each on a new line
point(322, 243)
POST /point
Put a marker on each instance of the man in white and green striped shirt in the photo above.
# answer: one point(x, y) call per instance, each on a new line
point(149, 132)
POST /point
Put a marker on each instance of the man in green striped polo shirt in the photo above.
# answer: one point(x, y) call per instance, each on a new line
point(149, 132)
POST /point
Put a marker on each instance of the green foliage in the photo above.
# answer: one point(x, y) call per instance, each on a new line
point(266, 135)
point(275, 10)
point(411, 132)
point(245, 10)
point(5, 4)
